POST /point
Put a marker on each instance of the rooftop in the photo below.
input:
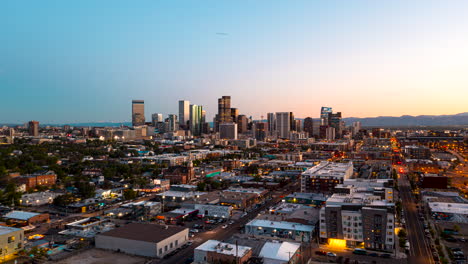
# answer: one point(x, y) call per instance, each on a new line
point(6, 229)
point(280, 225)
point(224, 248)
point(144, 232)
point(327, 169)
point(20, 215)
point(279, 251)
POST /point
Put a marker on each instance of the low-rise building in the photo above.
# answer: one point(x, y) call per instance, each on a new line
point(213, 251)
point(281, 229)
point(48, 178)
point(38, 198)
point(325, 176)
point(148, 240)
point(280, 253)
point(26, 218)
point(11, 241)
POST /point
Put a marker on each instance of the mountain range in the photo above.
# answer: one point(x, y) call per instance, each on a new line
point(407, 120)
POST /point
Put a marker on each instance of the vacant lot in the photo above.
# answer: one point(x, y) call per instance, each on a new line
point(97, 256)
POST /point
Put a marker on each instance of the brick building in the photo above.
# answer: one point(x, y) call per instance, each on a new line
point(48, 178)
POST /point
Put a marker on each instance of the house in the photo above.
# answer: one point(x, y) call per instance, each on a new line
point(280, 253)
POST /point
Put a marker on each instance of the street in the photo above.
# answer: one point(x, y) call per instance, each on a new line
point(419, 247)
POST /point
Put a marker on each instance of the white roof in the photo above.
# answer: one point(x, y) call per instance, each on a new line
point(279, 251)
point(453, 208)
point(280, 225)
point(223, 248)
point(6, 229)
point(20, 215)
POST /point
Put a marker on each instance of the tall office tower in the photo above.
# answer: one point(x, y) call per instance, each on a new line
point(330, 133)
point(184, 113)
point(195, 123)
point(228, 130)
point(271, 119)
point(260, 130)
point(234, 114)
point(309, 126)
point(33, 127)
point(292, 121)
point(283, 124)
point(173, 124)
point(334, 120)
point(357, 126)
point(324, 115)
point(138, 112)
point(298, 125)
point(155, 118)
point(316, 127)
point(224, 111)
point(242, 123)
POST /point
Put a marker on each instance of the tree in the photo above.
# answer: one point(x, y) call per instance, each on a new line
point(64, 200)
point(129, 194)
point(86, 190)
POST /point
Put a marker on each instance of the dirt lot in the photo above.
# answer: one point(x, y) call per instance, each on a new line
point(97, 256)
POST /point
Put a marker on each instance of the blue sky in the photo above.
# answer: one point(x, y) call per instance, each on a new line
point(82, 61)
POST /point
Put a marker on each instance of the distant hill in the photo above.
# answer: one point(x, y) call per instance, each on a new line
point(406, 120)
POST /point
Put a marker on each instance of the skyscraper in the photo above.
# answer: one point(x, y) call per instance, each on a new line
point(228, 130)
point(155, 118)
point(184, 113)
point(173, 124)
point(138, 112)
point(33, 127)
point(195, 123)
point(271, 118)
point(283, 124)
point(260, 130)
point(309, 126)
point(292, 121)
point(242, 122)
point(324, 115)
point(224, 111)
point(334, 120)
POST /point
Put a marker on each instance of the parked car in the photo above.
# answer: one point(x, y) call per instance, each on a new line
point(331, 254)
point(385, 255)
point(224, 226)
point(321, 253)
point(373, 254)
point(359, 251)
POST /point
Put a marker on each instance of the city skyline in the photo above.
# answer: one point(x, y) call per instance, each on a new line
point(72, 63)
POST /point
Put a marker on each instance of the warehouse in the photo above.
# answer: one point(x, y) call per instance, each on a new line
point(148, 240)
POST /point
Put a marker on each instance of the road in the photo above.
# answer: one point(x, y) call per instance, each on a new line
point(218, 233)
point(419, 246)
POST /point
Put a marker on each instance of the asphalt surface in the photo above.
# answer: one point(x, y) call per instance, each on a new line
point(420, 251)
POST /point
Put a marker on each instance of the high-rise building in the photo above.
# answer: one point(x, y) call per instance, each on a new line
point(33, 127)
point(309, 126)
point(234, 114)
point(283, 124)
point(271, 119)
point(138, 112)
point(155, 118)
point(242, 122)
point(195, 123)
point(334, 120)
point(298, 125)
point(330, 133)
point(292, 121)
point(224, 111)
point(324, 115)
point(260, 130)
point(173, 125)
point(228, 130)
point(184, 113)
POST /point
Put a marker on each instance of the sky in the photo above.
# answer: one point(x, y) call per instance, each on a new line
point(84, 61)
